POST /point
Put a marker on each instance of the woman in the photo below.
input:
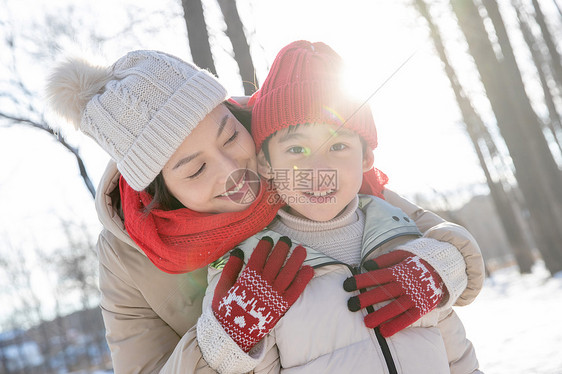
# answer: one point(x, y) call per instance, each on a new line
point(179, 155)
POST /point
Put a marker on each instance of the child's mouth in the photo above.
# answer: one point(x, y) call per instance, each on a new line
point(319, 193)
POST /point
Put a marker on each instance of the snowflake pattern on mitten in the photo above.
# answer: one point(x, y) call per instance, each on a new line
point(250, 309)
point(419, 283)
point(249, 306)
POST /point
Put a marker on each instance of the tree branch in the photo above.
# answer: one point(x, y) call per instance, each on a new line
point(75, 151)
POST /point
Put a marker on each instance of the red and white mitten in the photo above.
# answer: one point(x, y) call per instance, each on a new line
point(411, 283)
point(250, 306)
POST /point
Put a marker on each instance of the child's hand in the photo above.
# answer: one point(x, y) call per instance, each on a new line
point(248, 308)
point(411, 283)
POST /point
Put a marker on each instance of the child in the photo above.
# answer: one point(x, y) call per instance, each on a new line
point(316, 161)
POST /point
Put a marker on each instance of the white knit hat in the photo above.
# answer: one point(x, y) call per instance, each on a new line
point(139, 110)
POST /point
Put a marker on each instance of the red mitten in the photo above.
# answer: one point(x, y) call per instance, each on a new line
point(248, 308)
point(411, 283)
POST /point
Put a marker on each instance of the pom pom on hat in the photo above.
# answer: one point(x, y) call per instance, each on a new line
point(72, 84)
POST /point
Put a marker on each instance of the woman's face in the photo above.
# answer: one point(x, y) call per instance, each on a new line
point(214, 170)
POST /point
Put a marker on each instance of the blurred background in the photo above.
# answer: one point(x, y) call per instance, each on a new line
point(466, 95)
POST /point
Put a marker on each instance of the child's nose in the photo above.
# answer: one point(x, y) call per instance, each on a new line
point(316, 162)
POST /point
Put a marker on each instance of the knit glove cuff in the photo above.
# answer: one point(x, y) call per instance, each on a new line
point(220, 351)
point(447, 261)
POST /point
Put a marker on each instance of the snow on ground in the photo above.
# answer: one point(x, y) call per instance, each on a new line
point(515, 323)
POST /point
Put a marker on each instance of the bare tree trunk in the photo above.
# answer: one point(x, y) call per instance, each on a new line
point(235, 32)
point(198, 35)
point(475, 128)
point(536, 54)
point(557, 7)
point(536, 172)
point(555, 61)
point(533, 126)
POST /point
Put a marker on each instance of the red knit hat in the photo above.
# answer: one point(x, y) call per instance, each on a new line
point(304, 86)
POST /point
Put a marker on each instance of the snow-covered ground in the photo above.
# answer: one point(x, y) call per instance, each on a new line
point(516, 323)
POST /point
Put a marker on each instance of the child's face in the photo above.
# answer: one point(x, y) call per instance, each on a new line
point(215, 169)
point(316, 169)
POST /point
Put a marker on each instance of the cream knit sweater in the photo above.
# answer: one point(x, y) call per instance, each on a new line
point(339, 238)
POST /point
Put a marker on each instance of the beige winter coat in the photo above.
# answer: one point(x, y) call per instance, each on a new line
point(149, 315)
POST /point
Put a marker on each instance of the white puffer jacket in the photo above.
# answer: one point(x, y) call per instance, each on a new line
point(320, 335)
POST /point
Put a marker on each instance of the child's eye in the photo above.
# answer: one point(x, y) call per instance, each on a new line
point(231, 139)
point(197, 172)
point(338, 147)
point(297, 149)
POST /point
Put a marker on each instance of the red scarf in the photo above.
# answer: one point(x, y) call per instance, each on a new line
point(182, 240)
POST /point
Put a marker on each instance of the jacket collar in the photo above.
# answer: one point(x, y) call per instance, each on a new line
point(383, 223)
point(107, 215)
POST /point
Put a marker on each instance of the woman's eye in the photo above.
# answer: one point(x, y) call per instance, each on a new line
point(231, 139)
point(197, 172)
point(338, 147)
point(297, 150)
